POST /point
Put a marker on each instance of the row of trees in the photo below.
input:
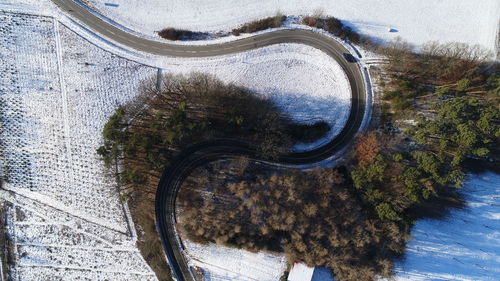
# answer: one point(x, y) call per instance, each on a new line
point(259, 25)
point(175, 34)
point(7, 249)
point(335, 27)
point(435, 63)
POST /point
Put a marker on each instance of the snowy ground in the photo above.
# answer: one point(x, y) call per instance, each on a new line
point(221, 263)
point(300, 272)
point(416, 21)
point(463, 246)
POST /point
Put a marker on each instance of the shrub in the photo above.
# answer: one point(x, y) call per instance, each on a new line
point(463, 84)
point(284, 277)
point(181, 34)
point(335, 27)
point(309, 21)
point(258, 25)
point(389, 95)
point(401, 103)
point(366, 149)
point(442, 91)
point(308, 132)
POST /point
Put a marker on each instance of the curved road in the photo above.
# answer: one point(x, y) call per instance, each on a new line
point(205, 152)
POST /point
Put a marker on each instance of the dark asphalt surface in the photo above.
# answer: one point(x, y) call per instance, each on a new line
point(205, 152)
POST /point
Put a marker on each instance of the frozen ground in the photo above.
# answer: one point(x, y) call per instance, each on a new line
point(466, 21)
point(32, 7)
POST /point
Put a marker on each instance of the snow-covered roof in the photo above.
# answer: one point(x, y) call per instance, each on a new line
point(301, 272)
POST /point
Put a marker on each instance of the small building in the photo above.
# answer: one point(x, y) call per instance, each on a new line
point(302, 272)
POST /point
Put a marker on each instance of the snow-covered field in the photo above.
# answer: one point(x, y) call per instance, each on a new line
point(57, 92)
point(472, 21)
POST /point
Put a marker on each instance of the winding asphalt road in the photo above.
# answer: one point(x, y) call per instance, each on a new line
point(205, 152)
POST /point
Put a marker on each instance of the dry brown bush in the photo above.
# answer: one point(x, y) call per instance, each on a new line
point(335, 27)
point(437, 63)
point(181, 34)
point(366, 148)
point(258, 25)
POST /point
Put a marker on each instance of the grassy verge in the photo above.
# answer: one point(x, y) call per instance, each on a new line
point(148, 240)
point(7, 256)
